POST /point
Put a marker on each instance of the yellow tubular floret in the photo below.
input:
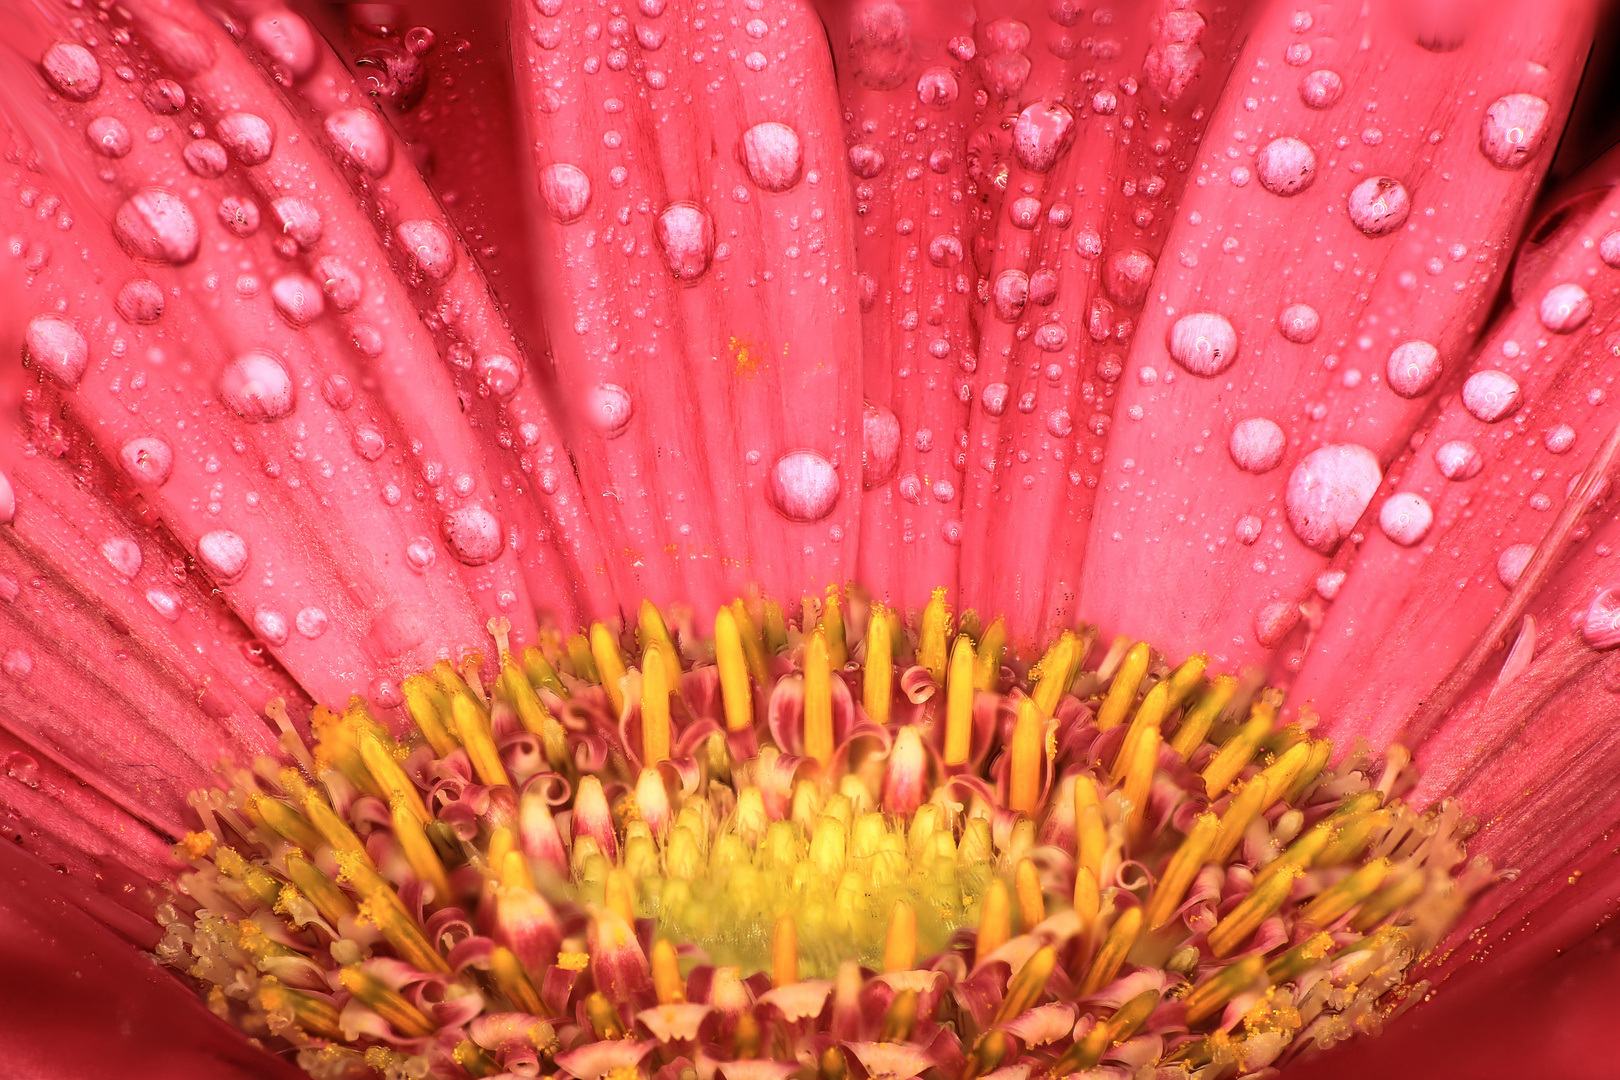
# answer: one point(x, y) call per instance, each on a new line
point(877, 687)
point(430, 710)
point(1025, 753)
point(1121, 695)
point(1235, 755)
point(655, 691)
point(736, 693)
point(418, 849)
point(472, 728)
point(389, 1004)
point(900, 941)
point(1183, 867)
point(655, 634)
point(959, 702)
point(1121, 936)
point(818, 722)
point(832, 624)
point(609, 665)
point(934, 638)
point(1196, 724)
point(386, 770)
point(785, 952)
point(1055, 668)
point(987, 659)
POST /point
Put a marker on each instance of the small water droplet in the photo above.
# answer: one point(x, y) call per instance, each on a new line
point(1609, 248)
point(1299, 323)
point(19, 663)
point(299, 221)
point(1490, 395)
point(1286, 166)
point(369, 442)
point(1559, 439)
point(1458, 460)
point(1413, 368)
point(566, 190)
point(154, 224)
point(165, 602)
point(1041, 134)
point(339, 282)
point(1511, 562)
point(865, 160)
point(54, 344)
point(1247, 530)
point(1565, 308)
point(147, 459)
point(1051, 337)
point(937, 87)
point(1321, 89)
point(239, 215)
point(500, 373)
point(1406, 518)
point(1203, 343)
point(360, 136)
point(109, 136)
point(124, 554)
point(297, 299)
point(1257, 444)
point(945, 250)
point(1379, 205)
point(206, 158)
point(223, 554)
point(429, 246)
point(803, 486)
point(1513, 129)
point(993, 398)
point(311, 622)
point(256, 385)
point(420, 553)
point(608, 409)
point(1127, 275)
point(773, 156)
point(72, 70)
point(1327, 492)
point(271, 625)
point(1329, 582)
point(1009, 294)
point(474, 535)
point(249, 138)
point(338, 391)
point(880, 445)
point(686, 236)
point(140, 300)
point(164, 97)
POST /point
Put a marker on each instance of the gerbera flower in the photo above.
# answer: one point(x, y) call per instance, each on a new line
point(716, 539)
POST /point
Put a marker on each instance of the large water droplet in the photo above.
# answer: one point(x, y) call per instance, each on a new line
point(1564, 308)
point(608, 409)
point(429, 246)
point(297, 298)
point(206, 158)
point(1513, 129)
point(1458, 460)
point(1490, 395)
point(1203, 342)
point(271, 625)
point(361, 137)
point(1379, 205)
point(339, 282)
point(1609, 248)
point(1511, 562)
point(566, 190)
point(239, 215)
point(223, 554)
point(1600, 626)
point(153, 224)
point(72, 70)
point(945, 250)
point(140, 300)
point(257, 386)
point(803, 486)
point(369, 442)
point(311, 622)
point(248, 137)
point(1299, 323)
point(1257, 444)
point(1413, 368)
point(773, 156)
point(109, 136)
point(1127, 275)
point(1327, 492)
point(288, 41)
point(1051, 337)
point(147, 459)
point(1286, 166)
point(500, 373)
point(1406, 518)
point(1041, 134)
point(880, 45)
point(865, 160)
point(686, 235)
point(124, 554)
point(1321, 89)
point(164, 97)
point(474, 535)
point(54, 345)
point(937, 87)
point(880, 445)
point(993, 398)
point(299, 221)
point(1559, 439)
point(420, 553)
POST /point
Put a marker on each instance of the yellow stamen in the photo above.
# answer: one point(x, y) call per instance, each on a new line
point(668, 986)
point(655, 691)
point(1337, 900)
point(1121, 936)
point(987, 661)
point(620, 895)
point(429, 709)
point(877, 689)
point(316, 1016)
point(655, 634)
point(832, 623)
point(1195, 725)
point(1183, 867)
point(609, 665)
point(1091, 842)
point(513, 980)
point(514, 688)
point(1186, 677)
point(418, 849)
point(1121, 696)
point(1281, 774)
point(1355, 833)
point(1027, 886)
point(785, 952)
point(337, 833)
point(292, 825)
point(385, 769)
point(1302, 852)
point(501, 844)
point(1239, 750)
point(901, 1019)
point(959, 703)
point(1211, 995)
point(1300, 959)
point(818, 721)
point(515, 874)
point(581, 660)
point(537, 668)
point(1139, 779)
point(407, 1019)
point(1244, 808)
point(472, 727)
point(1151, 713)
point(752, 643)
point(735, 691)
point(1261, 903)
point(603, 1017)
point(475, 1059)
point(1321, 751)
point(774, 629)
point(832, 1065)
point(1087, 897)
point(1026, 987)
point(900, 941)
point(933, 638)
point(987, 1055)
point(384, 910)
point(1055, 669)
point(995, 921)
point(332, 902)
point(1116, 1029)
point(1026, 753)
point(1406, 888)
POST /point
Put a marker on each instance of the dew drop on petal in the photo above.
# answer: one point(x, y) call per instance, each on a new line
point(337, 391)
point(223, 554)
point(1379, 205)
point(164, 97)
point(1413, 368)
point(500, 373)
point(299, 221)
point(1511, 562)
point(773, 156)
point(287, 40)
point(1406, 518)
point(608, 409)
point(1009, 294)
point(311, 622)
point(420, 553)
point(1051, 337)
point(685, 234)
point(1041, 134)
point(945, 250)
point(803, 486)
point(1257, 444)
point(339, 282)
point(72, 70)
point(148, 459)
point(248, 137)
point(1321, 89)
point(1286, 166)
point(474, 535)
point(1248, 529)
point(429, 247)
point(1609, 248)
point(271, 625)
point(18, 663)
point(360, 136)
point(993, 398)
point(139, 300)
point(239, 215)
point(1600, 626)
point(256, 385)
point(1513, 129)
point(154, 224)
point(297, 299)
point(1273, 622)
point(124, 554)
point(865, 160)
point(1299, 323)
point(937, 87)
point(1203, 342)
point(1559, 439)
point(206, 158)
point(880, 445)
point(1565, 308)
point(1329, 582)
point(566, 190)
point(369, 442)
point(54, 345)
point(1327, 492)
point(165, 602)
point(109, 137)
point(1490, 395)
point(1458, 460)
point(1127, 275)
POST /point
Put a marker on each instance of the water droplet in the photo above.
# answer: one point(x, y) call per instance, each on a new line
point(271, 625)
point(420, 553)
point(865, 160)
point(474, 535)
point(164, 97)
point(147, 459)
point(369, 442)
point(880, 445)
point(1127, 275)
point(8, 500)
point(1600, 626)
point(23, 769)
point(1247, 530)
point(297, 299)
point(72, 69)
point(1286, 166)
point(153, 224)
point(338, 391)
point(1513, 129)
point(803, 486)
point(246, 136)
point(1009, 294)
point(1041, 134)
point(1043, 287)
point(1273, 622)
point(1203, 342)
point(140, 300)
point(945, 250)
point(257, 386)
point(1327, 492)
point(773, 156)
point(1298, 54)
point(1059, 423)
point(223, 554)
point(937, 87)
point(239, 215)
point(109, 136)
point(1511, 562)
point(1257, 444)
point(1024, 212)
point(500, 373)
point(1609, 248)
point(311, 622)
point(367, 339)
point(608, 409)
point(566, 190)
point(1490, 395)
point(19, 663)
point(993, 398)
point(1329, 582)
point(686, 235)
point(55, 345)
point(206, 158)
point(1559, 439)
point(1565, 308)
point(1299, 323)
point(1458, 460)
point(1413, 368)
point(429, 246)
point(288, 41)
point(361, 137)
point(1104, 103)
point(165, 602)
point(1379, 205)
point(1406, 518)
point(1051, 337)
point(123, 553)
point(300, 221)
point(339, 282)
point(1321, 89)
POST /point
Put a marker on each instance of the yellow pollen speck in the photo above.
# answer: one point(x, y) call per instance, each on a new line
point(573, 961)
point(197, 845)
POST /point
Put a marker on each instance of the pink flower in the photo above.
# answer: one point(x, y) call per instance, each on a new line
point(733, 539)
